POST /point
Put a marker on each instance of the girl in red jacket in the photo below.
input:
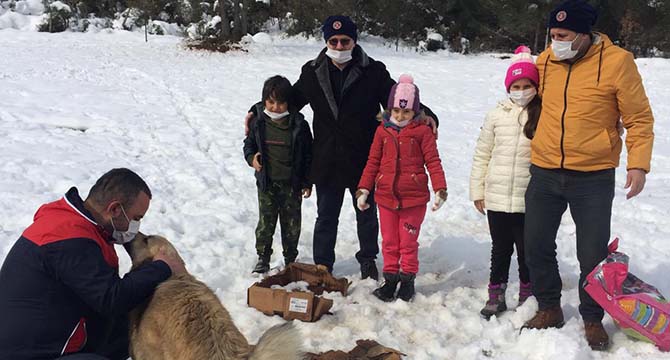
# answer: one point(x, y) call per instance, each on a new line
point(402, 148)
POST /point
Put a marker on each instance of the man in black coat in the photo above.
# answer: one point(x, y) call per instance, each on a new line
point(61, 295)
point(345, 88)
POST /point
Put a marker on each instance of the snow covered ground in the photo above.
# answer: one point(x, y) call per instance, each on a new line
point(74, 105)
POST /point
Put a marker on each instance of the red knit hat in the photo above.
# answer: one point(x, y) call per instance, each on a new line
point(522, 67)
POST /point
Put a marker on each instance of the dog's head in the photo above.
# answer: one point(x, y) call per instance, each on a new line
point(144, 248)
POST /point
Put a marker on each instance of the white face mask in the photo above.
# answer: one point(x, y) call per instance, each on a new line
point(522, 97)
point(340, 57)
point(274, 115)
point(563, 49)
point(124, 237)
point(401, 124)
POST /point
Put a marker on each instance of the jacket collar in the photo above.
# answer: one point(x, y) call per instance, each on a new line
point(260, 108)
point(359, 61)
point(509, 105)
point(73, 199)
point(75, 202)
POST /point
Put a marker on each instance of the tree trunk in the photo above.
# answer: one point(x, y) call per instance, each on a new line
point(225, 22)
point(246, 5)
point(237, 22)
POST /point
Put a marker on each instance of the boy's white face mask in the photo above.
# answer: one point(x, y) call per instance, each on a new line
point(274, 115)
point(339, 56)
point(522, 97)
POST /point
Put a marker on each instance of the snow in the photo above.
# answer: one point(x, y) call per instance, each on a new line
point(17, 21)
point(262, 38)
point(59, 6)
point(30, 7)
point(73, 106)
point(435, 37)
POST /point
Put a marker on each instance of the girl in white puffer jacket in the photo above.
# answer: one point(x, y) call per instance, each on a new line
point(500, 175)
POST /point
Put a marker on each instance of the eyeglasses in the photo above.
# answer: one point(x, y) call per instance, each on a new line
point(344, 41)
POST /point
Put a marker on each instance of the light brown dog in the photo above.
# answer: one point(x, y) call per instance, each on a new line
point(184, 320)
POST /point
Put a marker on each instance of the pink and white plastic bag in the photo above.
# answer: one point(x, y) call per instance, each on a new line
point(637, 308)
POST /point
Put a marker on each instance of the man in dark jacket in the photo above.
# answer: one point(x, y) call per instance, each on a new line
point(61, 292)
point(345, 89)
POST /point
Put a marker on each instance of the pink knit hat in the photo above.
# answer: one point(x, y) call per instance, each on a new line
point(404, 94)
point(522, 66)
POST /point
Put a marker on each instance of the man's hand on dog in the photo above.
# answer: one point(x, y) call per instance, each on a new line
point(172, 260)
point(256, 163)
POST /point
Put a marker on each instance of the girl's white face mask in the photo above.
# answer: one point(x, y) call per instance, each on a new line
point(400, 124)
point(338, 56)
point(522, 97)
point(275, 116)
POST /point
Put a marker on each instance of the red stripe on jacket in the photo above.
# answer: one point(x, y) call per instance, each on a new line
point(58, 221)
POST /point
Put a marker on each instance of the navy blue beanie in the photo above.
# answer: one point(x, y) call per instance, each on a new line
point(339, 25)
point(575, 15)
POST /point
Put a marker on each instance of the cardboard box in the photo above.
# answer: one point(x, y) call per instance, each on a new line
point(365, 349)
point(301, 305)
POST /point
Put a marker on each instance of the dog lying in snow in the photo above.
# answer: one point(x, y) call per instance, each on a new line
point(184, 320)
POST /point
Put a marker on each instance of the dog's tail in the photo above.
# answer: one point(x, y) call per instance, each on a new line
point(280, 342)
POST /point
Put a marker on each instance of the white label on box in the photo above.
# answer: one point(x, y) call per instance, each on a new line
point(298, 305)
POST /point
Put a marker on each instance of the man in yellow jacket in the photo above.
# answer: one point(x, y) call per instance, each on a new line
point(588, 85)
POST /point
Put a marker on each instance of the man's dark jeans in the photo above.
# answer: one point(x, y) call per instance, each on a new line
point(589, 195)
point(329, 203)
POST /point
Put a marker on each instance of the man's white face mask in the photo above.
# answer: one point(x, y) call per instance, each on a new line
point(339, 56)
point(522, 97)
point(274, 115)
point(563, 49)
point(124, 237)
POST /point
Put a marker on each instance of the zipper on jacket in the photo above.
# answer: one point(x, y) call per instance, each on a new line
point(397, 169)
point(516, 152)
point(295, 133)
point(565, 109)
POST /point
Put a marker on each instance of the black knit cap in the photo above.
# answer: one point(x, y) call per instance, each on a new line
point(575, 15)
point(339, 25)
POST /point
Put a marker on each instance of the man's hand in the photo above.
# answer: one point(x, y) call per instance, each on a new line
point(306, 192)
point(362, 199)
point(479, 204)
point(635, 180)
point(428, 120)
point(256, 162)
point(172, 260)
point(247, 119)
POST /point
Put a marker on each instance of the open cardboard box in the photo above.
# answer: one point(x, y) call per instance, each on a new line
point(365, 349)
point(305, 306)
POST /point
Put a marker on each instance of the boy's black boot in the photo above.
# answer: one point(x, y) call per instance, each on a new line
point(387, 291)
point(288, 260)
point(369, 270)
point(406, 291)
point(263, 264)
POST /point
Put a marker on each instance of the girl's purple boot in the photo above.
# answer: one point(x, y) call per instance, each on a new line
point(525, 292)
point(496, 303)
